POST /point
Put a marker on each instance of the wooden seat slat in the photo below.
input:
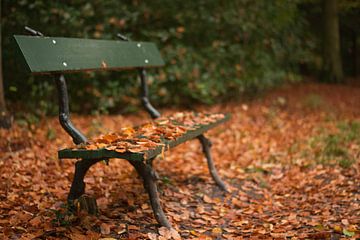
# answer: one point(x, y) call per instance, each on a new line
point(139, 156)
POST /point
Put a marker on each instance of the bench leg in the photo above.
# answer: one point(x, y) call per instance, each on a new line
point(206, 144)
point(78, 186)
point(148, 176)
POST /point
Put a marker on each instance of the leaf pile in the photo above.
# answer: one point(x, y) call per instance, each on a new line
point(151, 135)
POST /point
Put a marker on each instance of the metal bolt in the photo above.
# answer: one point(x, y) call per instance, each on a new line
point(54, 41)
point(65, 64)
point(146, 61)
point(138, 45)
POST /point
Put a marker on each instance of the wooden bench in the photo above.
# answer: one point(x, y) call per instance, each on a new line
point(56, 56)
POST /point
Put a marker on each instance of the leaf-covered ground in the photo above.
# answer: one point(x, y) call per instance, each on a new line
point(290, 157)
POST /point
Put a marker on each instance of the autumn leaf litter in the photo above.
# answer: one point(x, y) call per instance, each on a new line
point(269, 153)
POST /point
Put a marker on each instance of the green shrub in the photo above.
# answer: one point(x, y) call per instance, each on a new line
point(214, 50)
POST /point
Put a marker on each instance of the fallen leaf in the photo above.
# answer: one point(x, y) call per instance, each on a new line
point(216, 231)
point(348, 233)
point(36, 221)
point(105, 228)
point(152, 236)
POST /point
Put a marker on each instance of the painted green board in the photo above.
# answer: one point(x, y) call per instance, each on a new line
point(103, 153)
point(54, 54)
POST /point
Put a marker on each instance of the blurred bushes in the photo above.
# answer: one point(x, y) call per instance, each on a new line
point(214, 50)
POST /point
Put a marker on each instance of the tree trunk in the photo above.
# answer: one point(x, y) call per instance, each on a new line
point(5, 118)
point(2, 98)
point(355, 53)
point(332, 65)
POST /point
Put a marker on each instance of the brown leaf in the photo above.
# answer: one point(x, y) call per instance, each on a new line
point(207, 199)
point(105, 228)
point(175, 235)
point(216, 231)
point(36, 221)
point(165, 232)
point(133, 227)
point(152, 236)
point(345, 221)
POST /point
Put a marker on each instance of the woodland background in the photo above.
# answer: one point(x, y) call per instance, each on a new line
point(214, 50)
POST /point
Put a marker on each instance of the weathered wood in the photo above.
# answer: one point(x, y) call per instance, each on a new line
point(104, 153)
point(59, 55)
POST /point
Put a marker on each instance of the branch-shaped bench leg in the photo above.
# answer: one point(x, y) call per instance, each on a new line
point(78, 186)
point(148, 176)
point(206, 144)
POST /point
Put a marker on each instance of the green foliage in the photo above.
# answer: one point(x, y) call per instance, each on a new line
point(167, 181)
point(351, 131)
point(214, 50)
point(349, 20)
point(51, 134)
point(330, 148)
point(348, 233)
point(62, 216)
point(314, 101)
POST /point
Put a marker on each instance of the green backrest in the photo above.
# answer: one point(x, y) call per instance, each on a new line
point(57, 55)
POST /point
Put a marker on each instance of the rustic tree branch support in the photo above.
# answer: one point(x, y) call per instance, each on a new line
point(146, 172)
point(78, 185)
point(149, 177)
point(206, 145)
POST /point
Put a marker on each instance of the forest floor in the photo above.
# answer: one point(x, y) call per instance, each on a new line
point(291, 158)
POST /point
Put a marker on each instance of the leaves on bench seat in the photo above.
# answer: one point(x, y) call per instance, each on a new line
point(151, 135)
